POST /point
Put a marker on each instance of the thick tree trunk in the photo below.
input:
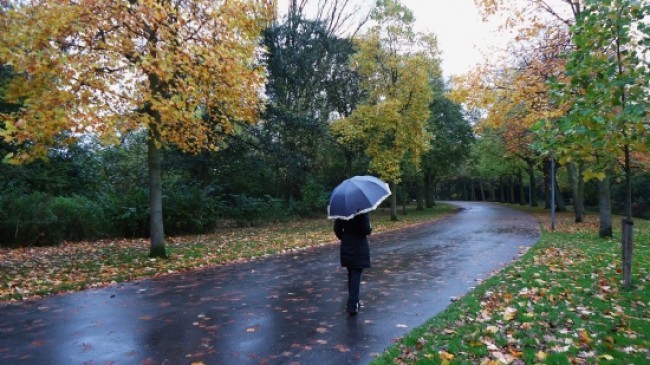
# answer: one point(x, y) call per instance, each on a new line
point(577, 190)
point(429, 186)
point(604, 208)
point(156, 230)
point(511, 190)
point(393, 202)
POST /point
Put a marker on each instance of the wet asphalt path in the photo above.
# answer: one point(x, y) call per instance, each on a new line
point(286, 309)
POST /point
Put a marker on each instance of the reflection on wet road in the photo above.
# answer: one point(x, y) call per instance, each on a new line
point(287, 309)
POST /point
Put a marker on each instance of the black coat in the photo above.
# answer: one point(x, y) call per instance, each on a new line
point(353, 233)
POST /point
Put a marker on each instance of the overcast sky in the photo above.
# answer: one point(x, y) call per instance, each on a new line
point(462, 35)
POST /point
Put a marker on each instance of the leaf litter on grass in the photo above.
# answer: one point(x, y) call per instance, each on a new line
point(562, 303)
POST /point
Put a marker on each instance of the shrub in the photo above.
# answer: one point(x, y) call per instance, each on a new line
point(314, 199)
point(77, 218)
point(39, 219)
point(127, 213)
point(25, 219)
point(189, 210)
point(246, 210)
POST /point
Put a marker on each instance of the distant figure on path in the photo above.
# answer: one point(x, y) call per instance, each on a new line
point(355, 253)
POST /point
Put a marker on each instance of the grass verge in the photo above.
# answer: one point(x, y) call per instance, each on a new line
point(35, 272)
point(562, 303)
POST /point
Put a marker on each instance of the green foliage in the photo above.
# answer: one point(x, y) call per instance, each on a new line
point(640, 189)
point(246, 210)
point(77, 218)
point(127, 212)
point(189, 210)
point(309, 79)
point(453, 136)
point(314, 199)
point(40, 219)
point(607, 88)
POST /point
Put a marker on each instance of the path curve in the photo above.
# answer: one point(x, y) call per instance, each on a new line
point(286, 309)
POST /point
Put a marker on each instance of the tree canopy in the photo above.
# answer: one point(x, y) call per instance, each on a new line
point(185, 71)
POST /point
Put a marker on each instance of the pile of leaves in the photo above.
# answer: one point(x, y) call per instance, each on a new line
point(562, 303)
point(35, 272)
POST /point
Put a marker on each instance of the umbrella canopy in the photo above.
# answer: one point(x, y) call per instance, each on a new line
point(356, 195)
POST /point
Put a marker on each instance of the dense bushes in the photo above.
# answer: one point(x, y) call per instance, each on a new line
point(40, 219)
point(37, 218)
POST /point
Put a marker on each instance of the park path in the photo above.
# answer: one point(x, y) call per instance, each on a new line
point(286, 309)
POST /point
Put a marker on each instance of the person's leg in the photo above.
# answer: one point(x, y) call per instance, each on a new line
point(354, 284)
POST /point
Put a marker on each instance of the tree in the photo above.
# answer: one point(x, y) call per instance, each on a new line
point(453, 137)
point(609, 90)
point(184, 71)
point(396, 66)
point(307, 71)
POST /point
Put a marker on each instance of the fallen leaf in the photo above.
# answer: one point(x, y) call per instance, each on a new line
point(342, 348)
point(444, 355)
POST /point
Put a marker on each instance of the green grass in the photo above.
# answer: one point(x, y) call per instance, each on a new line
point(29, 273)
point(562, 303)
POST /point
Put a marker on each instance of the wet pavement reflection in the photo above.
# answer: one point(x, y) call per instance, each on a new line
point(287, 309)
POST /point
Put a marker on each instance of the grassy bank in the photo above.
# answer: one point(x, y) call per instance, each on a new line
point(562, 303)
point(28, 273)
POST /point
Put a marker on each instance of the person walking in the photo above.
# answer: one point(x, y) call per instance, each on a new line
point(355, 253)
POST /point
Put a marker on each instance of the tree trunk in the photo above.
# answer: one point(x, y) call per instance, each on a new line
point(547, 185)
point(156, 231)
point(404, 199)
point(472, 189)
point(419, 194)
point(480, 184)
point(465, 194)
point(493, 197)
point(511, 190)
point(429, 189)
point(502, 197)
point(522, 190)
point(559, 198)
point(393, 202)
point(531, 181)
point(577, 190)
point(628, 184)
point(604, 208)
point(627, 243)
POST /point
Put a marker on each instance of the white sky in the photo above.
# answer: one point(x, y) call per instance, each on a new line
point(463, 37)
